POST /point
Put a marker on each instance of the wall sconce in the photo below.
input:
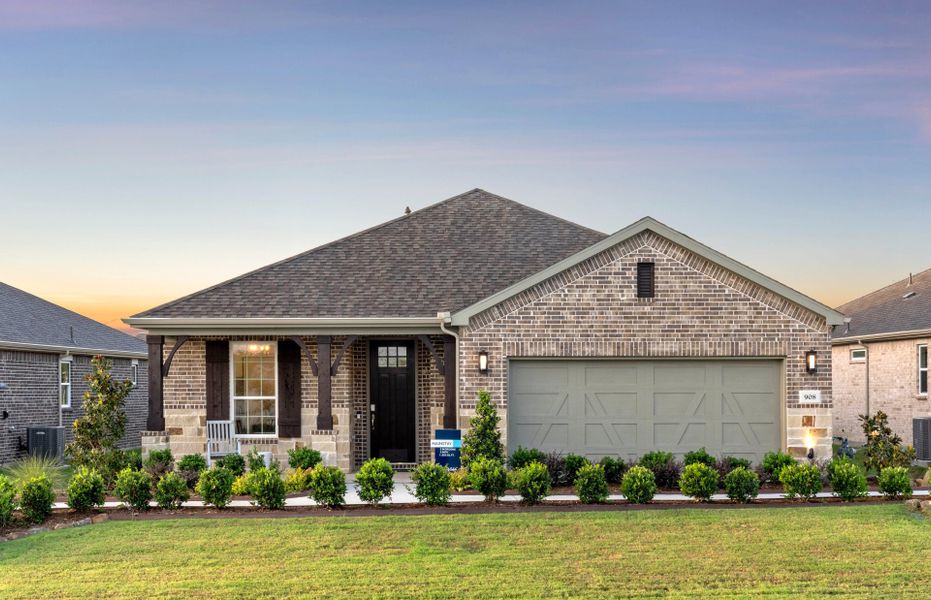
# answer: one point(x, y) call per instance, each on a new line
point(483, 362)
point(810, 443)
point(811, 361)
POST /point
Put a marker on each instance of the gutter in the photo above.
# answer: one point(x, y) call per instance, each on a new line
point(877, 337)
point(308, 326)
point(53, 349)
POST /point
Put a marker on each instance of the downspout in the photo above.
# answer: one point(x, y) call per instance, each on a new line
point(444, 317)
point(865, 347)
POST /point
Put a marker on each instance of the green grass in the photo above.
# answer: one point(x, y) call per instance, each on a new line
point(866, 550)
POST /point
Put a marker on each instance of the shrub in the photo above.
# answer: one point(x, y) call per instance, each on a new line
point(242, 485)
point(742, 484)
point(296, 480)
point(171, 491)
point(86, 489)
point(699, 456)
point(728, 464)
point(883, 447)
point(134, 488)
point(7, 500)
point(34, 466)
point(375, 480)
point(132, 458)
point(555, 463)
point(524, 456)
point(267, 488)
point(614, 469)
point(36, 497)
point(699, 481)
point(328, 486)
point(894, 482)
point(574, 462)
point(432, 484)
point(774, 462)
point(511, 477)
point(638, 485)
point(489, 477)
point(800, 480)
point(591, 485)
point(533, 482)
point(189, 467)
point(665, 469)
point(234, 463)
point(483, 438)
point(159, 462)
point(459, 480)
point(255, 460)
point(215, 487)
point(304, 458)
point(847, 480)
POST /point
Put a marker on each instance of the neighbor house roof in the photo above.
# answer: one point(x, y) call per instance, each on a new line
point(897, 310)
point(31, 323)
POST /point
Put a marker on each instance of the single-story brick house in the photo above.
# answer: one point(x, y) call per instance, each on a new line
point(45, 352)
point(591, 343)
point(881, 357)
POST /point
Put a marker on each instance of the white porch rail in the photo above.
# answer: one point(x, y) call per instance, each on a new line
point(220, 440)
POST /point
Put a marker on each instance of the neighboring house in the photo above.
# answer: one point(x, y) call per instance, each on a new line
point(589, 343)
point(45, 352)
point(881, 357)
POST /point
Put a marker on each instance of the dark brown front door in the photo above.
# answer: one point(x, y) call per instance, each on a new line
point(392, 381)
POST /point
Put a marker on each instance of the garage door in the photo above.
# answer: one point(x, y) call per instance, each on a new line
point(626, 408)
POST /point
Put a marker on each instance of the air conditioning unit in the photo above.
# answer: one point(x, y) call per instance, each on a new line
point(921, 437)
point(46, 441)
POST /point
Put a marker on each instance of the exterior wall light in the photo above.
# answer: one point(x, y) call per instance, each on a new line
point(811, 361)
point(483, 362)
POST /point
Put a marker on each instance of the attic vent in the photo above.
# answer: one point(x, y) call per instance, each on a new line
point(908, 295)
point(645, 280)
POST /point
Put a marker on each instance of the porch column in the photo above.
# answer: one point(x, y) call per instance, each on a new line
point(156, 418)
point(324, 405)
point(449, 379)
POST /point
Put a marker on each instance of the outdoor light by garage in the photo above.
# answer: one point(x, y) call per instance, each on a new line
point(483, 362)
point(811, 361)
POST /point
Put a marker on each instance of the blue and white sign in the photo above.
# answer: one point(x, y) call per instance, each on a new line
point(447, 446)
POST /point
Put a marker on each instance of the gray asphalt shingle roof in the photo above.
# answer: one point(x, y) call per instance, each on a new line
point(28, 319)
point(442, 257)
point(888, 310)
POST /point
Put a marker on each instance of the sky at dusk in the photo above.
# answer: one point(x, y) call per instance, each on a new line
point(150, 149)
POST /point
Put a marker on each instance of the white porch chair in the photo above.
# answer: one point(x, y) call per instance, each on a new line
point(220, 440)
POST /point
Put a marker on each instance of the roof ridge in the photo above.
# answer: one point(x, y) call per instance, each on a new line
point(538, 211)
point(882, 289)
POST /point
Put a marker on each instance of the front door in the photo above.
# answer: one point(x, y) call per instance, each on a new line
point(392, 394)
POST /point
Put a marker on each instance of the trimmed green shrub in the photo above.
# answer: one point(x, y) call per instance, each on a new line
point(234, 463)
point(36, 497)
point(483, 438)
point(638, 485)
point(774, 462)
point(664, 466)
point(171, 491)
point(159, 462)
point(524, 456)
point(267, 488)
point(328, 486)
point(574, 462)
point(86, 489)
point(801, 480)
point(614, 468)
point(742, 484)
point(894, 482)
point(189, 467)
point(728, 464)
point(304, 458)
point(459, 480)
point(295, 480)
point(590, 484)
point(884, 447)
point(533, 482)
point(215, 487)
point(699, 456)
point(511, 477)
point(432, 484)
point(699, 481)
point(556, 464)
point(134, 488)
point(848, 482)
point(375, 480)
point(7, 500)
point(489, 477)
point(132, 458)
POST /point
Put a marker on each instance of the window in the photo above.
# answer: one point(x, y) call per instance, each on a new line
point(858, 355)
point(255, 387)
point(392, 356)
point(923, 369)
point(645, 280)
point(64, 383)
point(134, 372)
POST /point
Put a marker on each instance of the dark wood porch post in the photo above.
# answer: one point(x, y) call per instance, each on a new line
point(324, 407)
point(450, 363)
point(156, 419)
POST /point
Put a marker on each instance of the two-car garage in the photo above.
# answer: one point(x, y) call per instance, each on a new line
point(629, 407)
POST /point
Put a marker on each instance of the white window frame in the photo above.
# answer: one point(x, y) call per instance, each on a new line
point(64, 360)
point(855, 359)
point(234, 397)
point(134, 372)
point(922, 369)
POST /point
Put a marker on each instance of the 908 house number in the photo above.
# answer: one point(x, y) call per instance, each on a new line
point(809, 397)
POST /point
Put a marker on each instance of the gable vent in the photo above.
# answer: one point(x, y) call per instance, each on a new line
point(645, 280)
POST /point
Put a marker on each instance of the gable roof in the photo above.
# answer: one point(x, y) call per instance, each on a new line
point(440, 258)
point(648, 223)
point(31, 323)
point(888, 311)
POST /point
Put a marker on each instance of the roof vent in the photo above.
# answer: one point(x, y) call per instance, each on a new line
point(908, 295)
point(910, 281)
point(407, 210)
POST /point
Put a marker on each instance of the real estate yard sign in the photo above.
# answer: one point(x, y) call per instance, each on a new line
point(447, 446)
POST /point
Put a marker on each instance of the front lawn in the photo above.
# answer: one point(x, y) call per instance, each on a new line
point(867, 550)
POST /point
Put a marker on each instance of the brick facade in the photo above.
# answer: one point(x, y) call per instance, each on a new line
point(892, 373)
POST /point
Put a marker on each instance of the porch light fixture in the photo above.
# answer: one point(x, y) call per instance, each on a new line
point(483, 362)
point(811, 361)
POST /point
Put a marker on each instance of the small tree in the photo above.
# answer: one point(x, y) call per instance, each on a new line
point(98, 432)
point(883, 446)
point(484, 437)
